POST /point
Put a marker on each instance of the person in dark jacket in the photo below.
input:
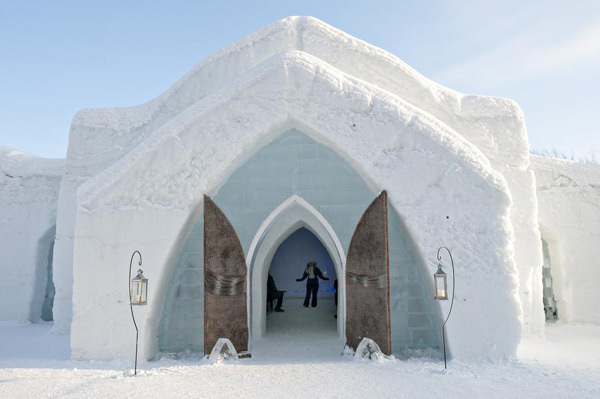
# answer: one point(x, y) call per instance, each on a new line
point(273, 293)
point(312, 273)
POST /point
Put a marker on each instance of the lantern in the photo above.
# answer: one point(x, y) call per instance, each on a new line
point(139, 289)
point(440, 279)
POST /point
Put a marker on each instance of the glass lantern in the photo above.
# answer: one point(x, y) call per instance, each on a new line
point(440, 279)
point(139, 289)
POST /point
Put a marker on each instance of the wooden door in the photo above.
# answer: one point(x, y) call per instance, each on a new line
point(367, 279)
point(225, 273)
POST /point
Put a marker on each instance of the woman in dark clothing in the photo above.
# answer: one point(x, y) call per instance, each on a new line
point(313, 273)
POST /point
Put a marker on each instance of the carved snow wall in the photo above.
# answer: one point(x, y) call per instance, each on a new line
point(28, 196)
point(443, 188)
point(569, 214)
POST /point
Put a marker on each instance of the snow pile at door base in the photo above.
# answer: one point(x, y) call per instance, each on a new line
point(135, 176)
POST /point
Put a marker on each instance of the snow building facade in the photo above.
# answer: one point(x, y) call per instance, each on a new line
point(301, 132)
point(569, 218)
point(29, 188)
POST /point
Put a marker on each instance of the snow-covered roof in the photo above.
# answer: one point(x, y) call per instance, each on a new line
point(558, 173)
point(368, 125)
point(101, 136)
point(15, 163)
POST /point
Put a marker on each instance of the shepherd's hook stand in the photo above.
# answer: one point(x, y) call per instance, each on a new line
point(439, 258)
point(131, 307)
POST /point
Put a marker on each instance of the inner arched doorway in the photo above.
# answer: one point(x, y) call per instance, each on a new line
point(294, 214)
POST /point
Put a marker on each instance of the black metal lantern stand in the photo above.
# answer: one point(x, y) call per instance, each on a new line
point(138, 295)
point(440, 279)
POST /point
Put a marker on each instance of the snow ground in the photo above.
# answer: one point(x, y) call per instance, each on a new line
point(295, 363)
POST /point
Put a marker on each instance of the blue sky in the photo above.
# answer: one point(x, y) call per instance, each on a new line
point(58, 57)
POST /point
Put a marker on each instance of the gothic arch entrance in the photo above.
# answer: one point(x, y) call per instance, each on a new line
point(288, 176)
point(291, 215)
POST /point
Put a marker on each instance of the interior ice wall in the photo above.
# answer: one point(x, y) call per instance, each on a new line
point(439, 183)
point(28, 194)
point(569, 216)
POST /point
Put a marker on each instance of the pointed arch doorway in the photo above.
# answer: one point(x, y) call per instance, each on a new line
point(293, 214)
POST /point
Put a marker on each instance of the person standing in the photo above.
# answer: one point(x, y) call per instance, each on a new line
point(312, 273)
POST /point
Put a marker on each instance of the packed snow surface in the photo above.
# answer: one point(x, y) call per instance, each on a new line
point(565, 364)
